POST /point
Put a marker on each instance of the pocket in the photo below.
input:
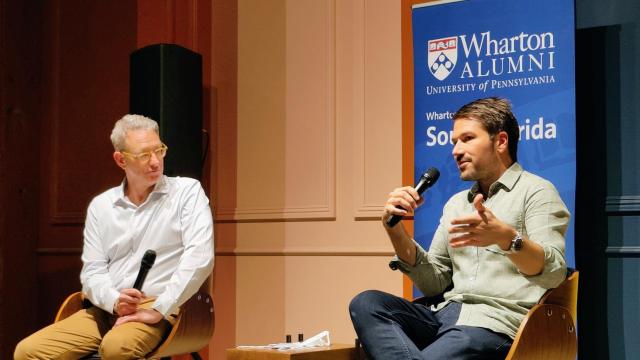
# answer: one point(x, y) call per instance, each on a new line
point(505, 346)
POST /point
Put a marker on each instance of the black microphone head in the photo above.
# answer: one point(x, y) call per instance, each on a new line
point(149, 258)
point(432, 175)
point(427, 179)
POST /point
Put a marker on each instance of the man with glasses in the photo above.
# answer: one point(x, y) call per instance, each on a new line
point(148, 211)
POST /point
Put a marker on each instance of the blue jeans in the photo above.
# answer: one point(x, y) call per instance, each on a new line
point(390, 328)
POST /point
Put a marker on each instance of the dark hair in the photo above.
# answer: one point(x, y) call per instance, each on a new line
point(495, 115)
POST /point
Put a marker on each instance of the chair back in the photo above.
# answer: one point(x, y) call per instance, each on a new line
point(72, 304)
point(565, 295)
point(548, 331)
point(192, 330)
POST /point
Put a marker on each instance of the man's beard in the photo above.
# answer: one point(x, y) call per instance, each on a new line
point(473, 175)
point(468, 175)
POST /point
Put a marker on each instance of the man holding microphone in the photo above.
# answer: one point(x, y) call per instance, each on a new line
point(498, 247)
point(148, 211)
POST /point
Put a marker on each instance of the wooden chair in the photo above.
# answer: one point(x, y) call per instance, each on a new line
point(191, 332)
point(549, 329)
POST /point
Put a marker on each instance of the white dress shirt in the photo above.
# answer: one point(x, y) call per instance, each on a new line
point(174, 221)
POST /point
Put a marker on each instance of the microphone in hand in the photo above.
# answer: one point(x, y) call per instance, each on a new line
point(426, 181)
point(147, 262)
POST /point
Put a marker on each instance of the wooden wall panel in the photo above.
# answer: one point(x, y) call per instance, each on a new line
point(309, 269)
point(224, 65)
point(89, 75)
point(378, 116)
point(223, 172)
point(85, 90)
point(64, 69)
point(20, 123)
point(286, 113)
point(172, 21)
point(310, 109)
point(58, 276)
point(318, 290)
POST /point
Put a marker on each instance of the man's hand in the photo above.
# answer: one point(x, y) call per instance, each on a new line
point(481, 229)
point(128, 302)
point(147, 316)
point(402, 201)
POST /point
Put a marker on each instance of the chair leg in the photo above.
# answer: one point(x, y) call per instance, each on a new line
point(195, 356)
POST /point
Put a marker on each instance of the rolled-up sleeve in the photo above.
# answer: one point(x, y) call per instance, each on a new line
point(546, 223)
point(432, 271)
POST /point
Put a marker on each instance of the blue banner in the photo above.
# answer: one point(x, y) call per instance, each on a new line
point(519, 50)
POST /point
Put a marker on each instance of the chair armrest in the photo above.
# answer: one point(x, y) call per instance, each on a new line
point(547, 332)
point(72, 304)
point(192, 330)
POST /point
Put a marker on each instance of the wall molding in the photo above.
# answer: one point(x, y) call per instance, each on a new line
point(623, 251)
point(325, 211)
point(262, 214)
point(304, 252)
point(58, 251)
point(250, 252)
point(56, 215)
point(364, 210)
point(373, 157)
point(624, 205)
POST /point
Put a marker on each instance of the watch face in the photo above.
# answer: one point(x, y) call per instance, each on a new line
point(516, 244)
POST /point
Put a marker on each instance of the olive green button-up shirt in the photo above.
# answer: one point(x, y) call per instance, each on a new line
point(493, 293)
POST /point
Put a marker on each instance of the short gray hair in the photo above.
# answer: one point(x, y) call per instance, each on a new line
point(127, 123)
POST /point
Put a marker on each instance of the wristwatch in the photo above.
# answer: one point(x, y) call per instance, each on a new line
point(516, 244)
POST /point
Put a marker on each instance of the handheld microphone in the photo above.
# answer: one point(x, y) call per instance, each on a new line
point(426, 180)
point(147, 262)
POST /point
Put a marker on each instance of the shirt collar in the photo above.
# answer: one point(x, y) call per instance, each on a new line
point(507, 181)
point(161, 187)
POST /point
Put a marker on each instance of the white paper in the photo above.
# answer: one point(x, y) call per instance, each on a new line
point(319, 340)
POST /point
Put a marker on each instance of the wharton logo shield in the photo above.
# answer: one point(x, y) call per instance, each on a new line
point(442, 56)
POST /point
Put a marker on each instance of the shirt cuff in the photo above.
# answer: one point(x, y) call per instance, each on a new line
point(398, 264)
point(165, 308)
point(111, 300)
point(554, 271)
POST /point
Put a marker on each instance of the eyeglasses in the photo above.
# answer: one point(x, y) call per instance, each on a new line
point(146, 156)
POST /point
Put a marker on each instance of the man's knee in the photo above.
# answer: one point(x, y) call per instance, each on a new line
point(368, 301)
point(132, 340)
point(119, 345)
point(25, 350)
